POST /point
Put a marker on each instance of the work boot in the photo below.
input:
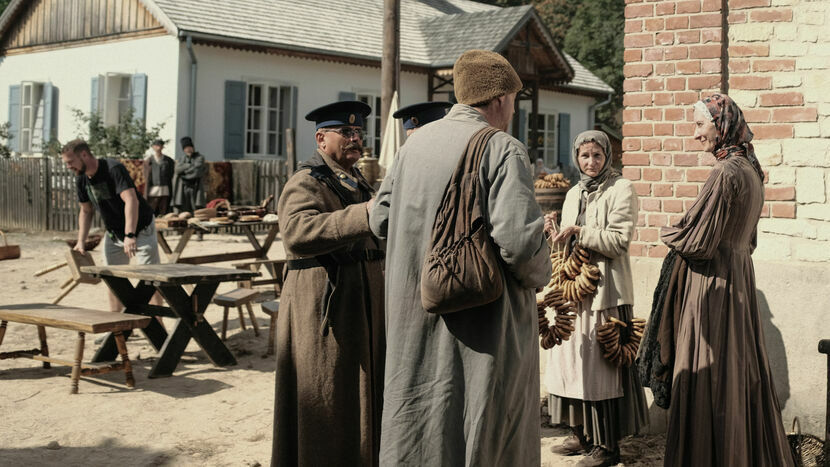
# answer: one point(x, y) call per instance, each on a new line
point(573, 444)
point(600, 457)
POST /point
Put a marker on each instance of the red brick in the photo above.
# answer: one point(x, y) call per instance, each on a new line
point(638, 11)
point(736, 17)
point(775, 99)
point(657, 220)
point(654, 84)
point(784, 210)
point(750, 82)
point(808, 114)
point(777, 14)
point(688, 203)
point(677, 22)
point(705, 20)
point(776, 131)
point(632, 85)
point(786, 193)
point(685, 98)
point(704, 51)
point(664, 38)
point(704, 82)
point(675, 84)
point(637, 129)
point(674, 175)
point(688, 37)
point(756, 115)
point(631, 144)
point(711, 65)
point(660, 159)
point(688, 6)
point(738, 65)
point(637, 69)
point(642, 189)
point(691, 67)
point(677, 53)
point(636, 249)
point(637, 99)
point(648, 235)
point(654, 54)
point(685, 191)
point(663, 189)
point(765, 210)
point(658, 251)
point(675, 218)
point(697, 175)
point(635, 158)
point(638, 40)
point(633, 1)
point(773, 65)
point(684, 129)
point(654, 24)
point(711, 5)
point(633, 25)
point(632, 55)
point(650, 204)
point(665, 8)
point(652, 175)
point(641, 217)
point(664, 69)
point(739, 4)
point(651, 144)
point(663, 129)
point(672, 205)
point(672, 144)
point(632, 115)
point(749, 50)
point(631, 173)
point(711, 35)
point(653, 114)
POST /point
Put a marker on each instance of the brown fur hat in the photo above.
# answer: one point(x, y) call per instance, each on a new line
point(481, 75)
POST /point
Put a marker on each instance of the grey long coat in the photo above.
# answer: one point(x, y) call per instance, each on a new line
point(191, 168)
point(461, 388)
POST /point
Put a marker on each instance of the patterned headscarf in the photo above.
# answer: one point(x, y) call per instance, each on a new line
point(734, 135)
point(586, 182)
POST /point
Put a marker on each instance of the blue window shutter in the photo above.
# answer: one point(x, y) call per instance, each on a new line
point(523, 126)
point(564, 138)
point(93, 96)
point(14, 118)
point(50, 113)
point(346, 96)
point(294, 100)
point(139, 96)
point(234, 119)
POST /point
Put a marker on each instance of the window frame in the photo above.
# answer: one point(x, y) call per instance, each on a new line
point(549, 152)
point(284, 110)
point(106, 96)
point(36, 107)
point(373, 124)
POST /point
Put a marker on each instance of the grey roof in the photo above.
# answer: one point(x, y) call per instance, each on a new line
point(584, 80)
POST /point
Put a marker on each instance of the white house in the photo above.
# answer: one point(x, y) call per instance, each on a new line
point(234, 74)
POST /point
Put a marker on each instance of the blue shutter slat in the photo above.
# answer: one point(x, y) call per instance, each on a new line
point(14, 118)
point(234, 119)
point(139, 96)
point(93, 96)
point(564, 138)
point(346, 96)
point(50, 113)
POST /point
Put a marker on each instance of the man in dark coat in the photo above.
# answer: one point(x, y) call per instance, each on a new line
point(330, 329)
point(189, 186)
point(158, 179)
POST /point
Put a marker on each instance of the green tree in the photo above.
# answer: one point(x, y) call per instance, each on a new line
point(5, 137)
point(3, 5)
point(128, 139)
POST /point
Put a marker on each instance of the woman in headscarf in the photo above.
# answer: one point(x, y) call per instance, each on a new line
point(598, 400)
point(724, 409)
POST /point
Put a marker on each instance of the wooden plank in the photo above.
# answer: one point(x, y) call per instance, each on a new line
point(71, 318)
point(171, 273)
point(116, 18)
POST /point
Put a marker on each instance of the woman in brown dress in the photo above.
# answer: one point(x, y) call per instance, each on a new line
point(724, 409)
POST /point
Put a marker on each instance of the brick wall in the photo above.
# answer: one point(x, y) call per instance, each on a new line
point(772, 57)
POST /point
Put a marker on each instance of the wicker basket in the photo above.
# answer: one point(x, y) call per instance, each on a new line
point(808, 450)
point(550, 199)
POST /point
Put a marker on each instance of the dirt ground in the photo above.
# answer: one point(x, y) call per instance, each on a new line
point(202, 415)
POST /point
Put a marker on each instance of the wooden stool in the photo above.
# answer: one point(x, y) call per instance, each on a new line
point(237, 298)
point(272, 309)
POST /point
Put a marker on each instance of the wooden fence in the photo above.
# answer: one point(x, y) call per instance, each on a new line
point(39, 193)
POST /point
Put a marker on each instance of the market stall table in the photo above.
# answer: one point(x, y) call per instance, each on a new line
point(258, 251)
point(169, 280)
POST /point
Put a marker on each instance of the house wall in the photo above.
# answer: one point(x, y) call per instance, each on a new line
point(771, 56)
point(71, 70)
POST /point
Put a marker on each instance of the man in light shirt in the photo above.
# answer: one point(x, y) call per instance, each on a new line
point(158, 176)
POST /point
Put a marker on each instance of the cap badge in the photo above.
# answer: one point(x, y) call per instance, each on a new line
point(414, 120)
point(351, 118)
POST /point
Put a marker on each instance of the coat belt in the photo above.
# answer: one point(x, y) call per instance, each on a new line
point(335, 259)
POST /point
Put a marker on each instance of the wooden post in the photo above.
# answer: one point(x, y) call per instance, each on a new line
point(390, 64)
point(121, 343)
point(76, 366)
point(44, 346)
point(290, 153)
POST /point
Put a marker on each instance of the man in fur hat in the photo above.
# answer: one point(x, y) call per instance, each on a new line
point(188, 184)
point(463, 388)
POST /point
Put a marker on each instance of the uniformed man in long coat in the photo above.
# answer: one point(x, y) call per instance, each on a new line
point(462, 389)
point(330, 329)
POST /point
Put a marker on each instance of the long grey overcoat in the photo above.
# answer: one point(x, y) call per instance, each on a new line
point(328, 385)
point(189, 168)
point(461, 388)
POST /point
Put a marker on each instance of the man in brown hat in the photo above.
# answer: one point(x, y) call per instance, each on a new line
point(463, 388)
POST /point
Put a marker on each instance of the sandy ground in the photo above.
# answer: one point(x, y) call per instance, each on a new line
point(202, 415)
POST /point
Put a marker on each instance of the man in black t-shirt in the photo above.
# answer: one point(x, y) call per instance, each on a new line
point(105, 185)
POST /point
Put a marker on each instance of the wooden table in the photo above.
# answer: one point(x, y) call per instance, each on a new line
point(170, 280)
point(82, 321)
point(258, 251)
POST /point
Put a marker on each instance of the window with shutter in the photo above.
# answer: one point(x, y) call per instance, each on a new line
point(546, 137)
point(114, 94)
point(270, 108)
point(372, 122)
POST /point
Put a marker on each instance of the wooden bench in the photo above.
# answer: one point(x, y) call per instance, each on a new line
point(81, 320)
point(237, 298)
point(274, 268)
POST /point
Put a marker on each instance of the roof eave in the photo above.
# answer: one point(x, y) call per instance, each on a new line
point(9, 14)
point(160, 16)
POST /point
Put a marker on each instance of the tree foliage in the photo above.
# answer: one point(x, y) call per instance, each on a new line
point(128, 139)
point(3, 5)
point(5, 151)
